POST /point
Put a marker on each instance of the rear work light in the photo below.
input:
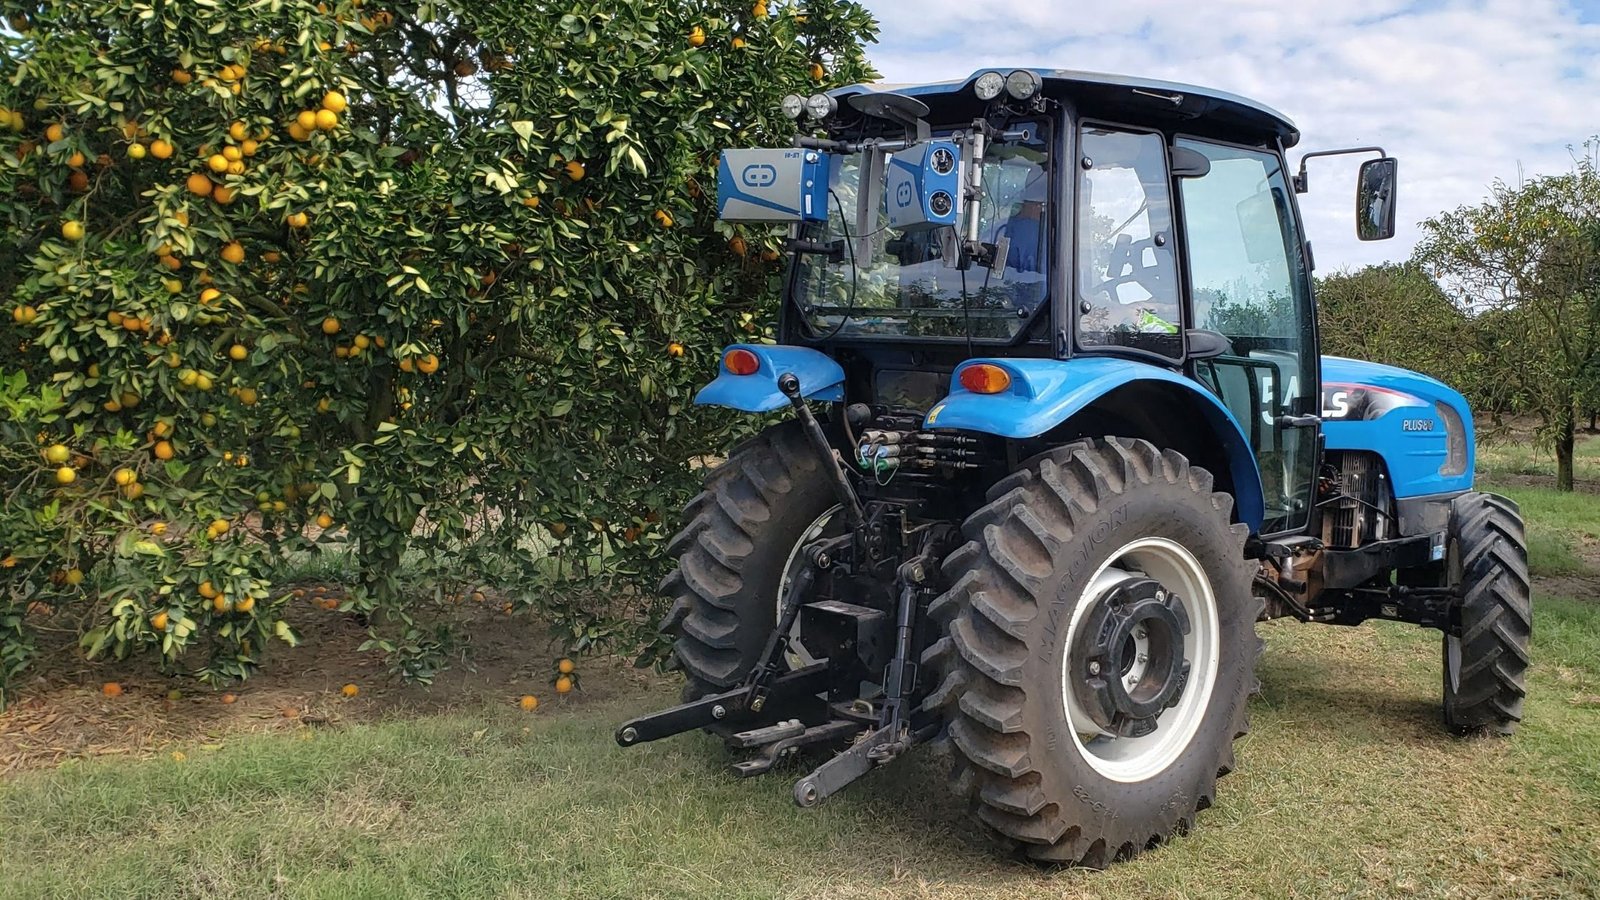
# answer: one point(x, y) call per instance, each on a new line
point(741, 362)
point(985, 379)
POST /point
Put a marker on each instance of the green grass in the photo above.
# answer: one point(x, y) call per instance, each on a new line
point(1347, 786)
point(1518, 455)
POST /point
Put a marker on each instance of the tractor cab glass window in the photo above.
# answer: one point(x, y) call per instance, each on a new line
point(902, 283)
point(1127, 274)
point(1249, 285)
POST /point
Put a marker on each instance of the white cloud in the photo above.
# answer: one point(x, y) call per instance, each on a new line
point(1462, 91)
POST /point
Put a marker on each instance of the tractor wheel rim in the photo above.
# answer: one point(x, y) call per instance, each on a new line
point(1136, 759)
point(797, 655)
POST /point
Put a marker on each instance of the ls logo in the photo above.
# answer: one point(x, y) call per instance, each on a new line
point(759, 176)
point(902, 194)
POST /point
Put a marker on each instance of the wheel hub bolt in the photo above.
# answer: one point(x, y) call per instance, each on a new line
point(1094, 667)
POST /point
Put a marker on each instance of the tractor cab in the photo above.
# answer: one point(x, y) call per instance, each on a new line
point(1042, 214)
point(1060, 434)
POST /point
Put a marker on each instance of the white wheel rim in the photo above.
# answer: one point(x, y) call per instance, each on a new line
point(797, 654)
point(1135, 759)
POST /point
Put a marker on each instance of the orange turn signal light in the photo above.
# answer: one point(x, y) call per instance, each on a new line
point(741, 362)
point(985, 379)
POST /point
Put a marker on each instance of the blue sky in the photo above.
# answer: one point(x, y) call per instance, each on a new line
point(1464, 92)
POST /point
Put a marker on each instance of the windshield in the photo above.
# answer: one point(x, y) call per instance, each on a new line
point(906, 283)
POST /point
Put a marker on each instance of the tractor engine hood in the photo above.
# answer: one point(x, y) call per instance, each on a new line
point(1419, 426)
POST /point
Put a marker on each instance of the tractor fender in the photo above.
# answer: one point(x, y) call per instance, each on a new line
point(820, 379)
point(1046, 393)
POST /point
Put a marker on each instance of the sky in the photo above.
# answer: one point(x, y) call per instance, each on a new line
point(1463, 92)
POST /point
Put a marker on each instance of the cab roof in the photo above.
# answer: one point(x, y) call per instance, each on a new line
point(1125, 98)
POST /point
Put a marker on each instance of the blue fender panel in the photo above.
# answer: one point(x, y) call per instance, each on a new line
point(1420, 427)
point(1046, 392)
point(820, 379)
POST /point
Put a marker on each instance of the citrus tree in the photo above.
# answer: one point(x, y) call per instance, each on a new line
point(434, 281)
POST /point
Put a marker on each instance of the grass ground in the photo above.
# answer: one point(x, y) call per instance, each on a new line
point(1347, 787)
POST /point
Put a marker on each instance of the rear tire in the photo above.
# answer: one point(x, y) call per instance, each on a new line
point(737, 540)
point(1014, 658)
point(1485, 668)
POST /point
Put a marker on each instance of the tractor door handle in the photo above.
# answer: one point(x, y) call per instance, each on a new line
point(1298, 421)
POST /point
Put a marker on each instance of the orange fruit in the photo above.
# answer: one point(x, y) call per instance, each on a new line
point(233, 252)
point(350, 690)
point(159, 621)
point(223, 195)
point(738, 246)
point(220, 526)
point(428, 365)
point(232, 154)
point(299, 220)
point(72, 230)
point(298, 133)
point(217, 163)
point(334, 102)
point(674, 349)
point(229, 699)
point(663, 217)
point(565, 666)
point(199, 185)
point(697, 36)
point(161, 149)
point(137, 151)
point(326, 120)
point(57, 453)
point(817, 71)
point(330, 325)
point(238, 353)
point(250, 147)
point(324, 521)
point(564, 685)
point(163, 450)
point(574, 170)
point(238, 132)
point(220, 603)
point(124, 477)
point(66, 475)
point(111, 689)
point(406, 365)
point(244, 606)
point(529, 702)
point(738, 43)
point(307, 120)
point(181, 76)
point(206, 590)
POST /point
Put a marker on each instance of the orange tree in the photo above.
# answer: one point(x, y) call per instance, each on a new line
point(434, 281)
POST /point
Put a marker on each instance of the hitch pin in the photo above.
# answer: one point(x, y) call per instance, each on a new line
point(790, 386)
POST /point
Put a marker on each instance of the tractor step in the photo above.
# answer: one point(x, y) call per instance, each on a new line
point(762, 762)
point(756, 737)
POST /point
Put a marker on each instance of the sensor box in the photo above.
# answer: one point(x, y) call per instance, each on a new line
point(780, 185)
point(924, 186)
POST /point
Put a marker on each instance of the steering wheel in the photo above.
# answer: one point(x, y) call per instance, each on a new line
point(1127, 262)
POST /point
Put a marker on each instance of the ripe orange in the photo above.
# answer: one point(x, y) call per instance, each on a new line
point(428, 365)
point(199, 185)
point(574, 170)
point(238, 353)
point(220, 526)
point(564, 684)
point(326, 119)
point(250, 147)
point(663, 217)
point(299, 220)
point(298, 133)
point(675, 349)
point(307, 120)
point(760, 9)
point(324, 521)
point(529, 702)
point(124, 477)
point(54, 133)
point(248, 396)
point(817, 71)
point(72, 230)
point(238, 132)
point(738, 246)
point(158, 528)
point(223, 195)
point(57, 453)
point(207, 591)
point(334, 102)
point(330, 325)
point(220, 604)
point(137, 151)
point(232, 154)
point(163, 450)
point(217, 163)
point(565, 666)
point(244, 606)
point(159, 621)
point(111, 689)
point(350, 690)
point(229, 699)
point(233, 252)
point(66, 475)
point(738, 43)
point(73, 576)
point(697, 36)
point(161, 149)
point(407, 365)
point(181, 76)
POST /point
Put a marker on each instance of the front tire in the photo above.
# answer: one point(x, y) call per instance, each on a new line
point(1486, 664)
point(737, 545)
point(1109, 552)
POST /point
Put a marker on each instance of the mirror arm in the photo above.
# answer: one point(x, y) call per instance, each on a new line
point(1300, 183)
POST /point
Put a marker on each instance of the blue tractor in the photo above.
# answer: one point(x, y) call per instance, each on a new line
point(1059, 434)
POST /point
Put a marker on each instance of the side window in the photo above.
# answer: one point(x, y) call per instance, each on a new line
point(1246, 275)
point(1127, 282)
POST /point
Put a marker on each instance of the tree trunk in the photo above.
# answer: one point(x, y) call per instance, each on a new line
point(1564, 445)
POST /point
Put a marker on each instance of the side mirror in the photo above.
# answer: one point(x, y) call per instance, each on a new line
point(1375, 189)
